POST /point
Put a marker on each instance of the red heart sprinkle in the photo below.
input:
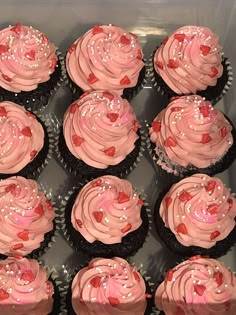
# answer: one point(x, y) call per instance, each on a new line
point(108, 95)
point(95, 282)
point(73, 108)
point(122, 197)
point(92, 78)
point(113, 301)
point(206, 138)
point(205, 50)
point(125, 81)
point(3, 111)
point(134, 35)
point(136, 276)
point(139, 54)
point(97, 29)
point(210, 186)
point(3, 295)
point(112, 116)
point(214, 72)
point(176, 109)
point(168, 201)
point(84, 94)
point(72, 48)
point(31, 115)
point(49, 205)
point(124, 40)
point(11, 188)
point(98, 215)
point(172, 64)
point(205, 110)
point(223, 132)
point(140, 202)
point(17, 246)
point(24, 235)
point(126, 228)
point(212, 209)
point(179, 37)
point(185, 196)
point(196, 257)
point(28, 276)
point(16, 256)
point(199, 289)
point(136, 125)
point(169, 275)
point(33, 154)
point(26, 132)
point(159, 64)
point(170, 142)
point(218, 277)
point(30, 55)
point(77, 140)
point(156, 125)
point(3, 49)
point(53, 63)
point(181, 228)
point(98, 182)
point(165, 40)
point(173, 98)
point(179, 311)
point(16, 28)
point(214, 235)
point(79, 223)
point(44, 37)
point(110, 151)
point(6, 78)
point(148, 296)
point(39, 209)
point(230, 202)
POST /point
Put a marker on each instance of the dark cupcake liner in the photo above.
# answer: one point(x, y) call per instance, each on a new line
point(82, 170)
point(130, 244)
point(179, 172)
point(34, 168)
point(212, 93)
point(38, 98)
point(128, 93)
point(168, 238)
point(70, 274)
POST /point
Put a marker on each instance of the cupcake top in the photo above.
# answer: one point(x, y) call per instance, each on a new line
point(190, 131)
point(100, 128)
point(21, 137)
point(198, 286)
point(25, 216)
point(199, 210)
point(189, 60)
point(106, 209)
point(105, 58)
point(27, 58)
point(109, 286)
point(25, 288)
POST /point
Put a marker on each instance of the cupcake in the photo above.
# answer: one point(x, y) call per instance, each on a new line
point(197, 286)
point(24, 142)
point(30, 67)
point(190, 62)
point(106, 58)
point(197, 216)
point(109, 286)
point(25, 288)
point(100, 136)
point(26, 224)
point(190, 136)
point(106, 218)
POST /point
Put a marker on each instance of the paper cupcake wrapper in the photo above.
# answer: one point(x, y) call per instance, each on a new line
point(121, 174)
point(151, 75)
point(69, 274)
point(66, 231)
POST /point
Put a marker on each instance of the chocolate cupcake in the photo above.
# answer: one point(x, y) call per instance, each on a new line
point(106, 218)
point(190, 62)
point(197, 216)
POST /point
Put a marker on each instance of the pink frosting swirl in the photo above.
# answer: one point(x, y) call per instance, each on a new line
point(105, 58)
point(27, 58)
point(21, 137)
point(189, 60)
point(191, 131)
point(100, 129)
point(24, 288)
point(106, 209)
point(199, 210)
point(109, 287)
point(198, 286)
point(25, 216)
